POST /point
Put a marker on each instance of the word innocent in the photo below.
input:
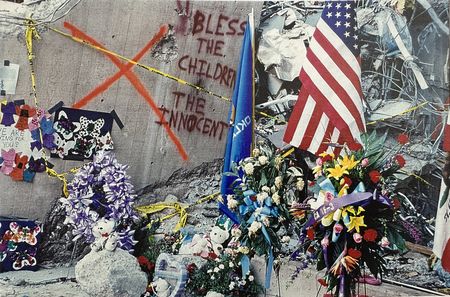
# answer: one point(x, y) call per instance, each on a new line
point(192, 117)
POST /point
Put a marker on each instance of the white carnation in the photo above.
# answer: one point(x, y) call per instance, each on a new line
point(248, 168)
point(236, 232)
point(300, 184)
point(278, 182)
point(261, 197)
point(262, 160)
point(276, 198)
point(232, 203)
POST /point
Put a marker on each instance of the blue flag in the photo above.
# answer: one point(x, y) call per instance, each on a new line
point(240, 133)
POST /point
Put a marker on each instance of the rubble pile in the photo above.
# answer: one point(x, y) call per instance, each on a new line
point(414, 269)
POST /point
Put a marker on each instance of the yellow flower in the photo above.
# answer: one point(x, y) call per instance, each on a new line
point(337, 171)
point(317, 169)
point(349, 209)
point(348, 163)
point(343, 191)
point(356, 223)
point(324, 154)
point(360, 210)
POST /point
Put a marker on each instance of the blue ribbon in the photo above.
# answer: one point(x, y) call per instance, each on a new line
point(269, 269)
point(266, 209)
point(245, 265)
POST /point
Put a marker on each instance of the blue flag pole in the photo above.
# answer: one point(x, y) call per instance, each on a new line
point(241, 116)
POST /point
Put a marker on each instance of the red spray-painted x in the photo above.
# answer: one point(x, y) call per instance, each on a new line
point(125, 69)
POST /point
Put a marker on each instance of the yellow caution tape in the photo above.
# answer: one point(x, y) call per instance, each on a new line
point(148, 68)
point(31, 34)
point(402, 113)
point(416, 176)
point(178, 209)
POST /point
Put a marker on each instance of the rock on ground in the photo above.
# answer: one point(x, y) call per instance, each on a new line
point(112, 274)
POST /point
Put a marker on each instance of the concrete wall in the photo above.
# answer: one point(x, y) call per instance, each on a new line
point(68, 71)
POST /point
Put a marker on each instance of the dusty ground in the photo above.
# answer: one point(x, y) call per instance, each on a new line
point(55, 282)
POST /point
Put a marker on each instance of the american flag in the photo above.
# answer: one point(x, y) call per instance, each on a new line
point(329, 106)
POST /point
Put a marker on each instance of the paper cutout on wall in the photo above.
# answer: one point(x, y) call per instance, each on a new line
point(24, 132)
point(80, 133)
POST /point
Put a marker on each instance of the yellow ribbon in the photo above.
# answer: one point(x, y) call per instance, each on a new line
point(178, 209)
point(30, 34)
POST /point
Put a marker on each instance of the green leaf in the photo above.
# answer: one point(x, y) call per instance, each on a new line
point(263, 180)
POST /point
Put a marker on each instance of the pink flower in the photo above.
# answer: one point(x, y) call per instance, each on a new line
point(325, 242)
point(329, 196)
point(338, 228)
point(364, 162)
point(357, 237)
point(319, 162)
point(385, 242)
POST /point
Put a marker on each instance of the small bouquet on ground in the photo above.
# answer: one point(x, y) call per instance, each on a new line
point(101, 189)
point(222, 275)
point(267, 185)
point(353, 216)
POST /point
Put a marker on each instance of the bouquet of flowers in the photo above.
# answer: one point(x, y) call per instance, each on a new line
point(223, 276)
point(353, 216)
point(266, 185)
point(101, 189)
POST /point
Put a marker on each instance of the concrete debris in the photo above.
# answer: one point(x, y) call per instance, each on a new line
point(283, 51)
point(412, 268)
point(114, 274)
point(167, 49)
point(186, 187)
point(42, 11)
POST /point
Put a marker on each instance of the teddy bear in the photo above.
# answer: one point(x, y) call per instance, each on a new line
point(105, 236)
point(160, 287)
point(207, 244)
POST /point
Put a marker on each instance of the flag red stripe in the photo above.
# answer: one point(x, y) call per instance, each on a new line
point(337, 89)
point(311, 128)
point(326, 105)
point(339, 60)
point(295, 116)
point(327, 138)
point(446, 141)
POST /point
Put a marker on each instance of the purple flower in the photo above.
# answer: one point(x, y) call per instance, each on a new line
point(100, 189)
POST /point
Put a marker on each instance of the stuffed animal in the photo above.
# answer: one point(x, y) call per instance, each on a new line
point(160, 287)
point(207, 244)
point(218, 237)
point(105, 237)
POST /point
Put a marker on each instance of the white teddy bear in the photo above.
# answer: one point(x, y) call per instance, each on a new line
point(161, 287)
point(204, 245)
point(105, 237)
